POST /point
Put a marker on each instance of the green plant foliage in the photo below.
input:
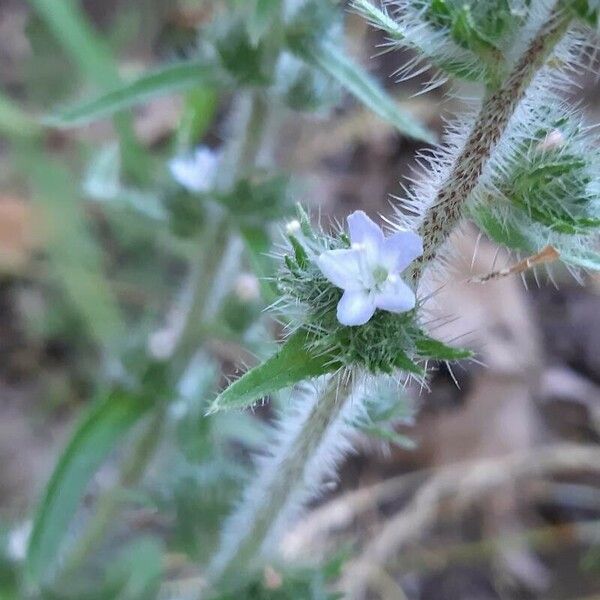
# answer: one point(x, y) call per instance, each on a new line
point(291, 364)
point(467, 40)
point(71, 28)
point(257, 240)
point(587, 10)
point(14, 122)
point(137, 570)
point(263, 14)
point(167, 80)
point(547, 195)
point(350, 76)
point(291, 584)
point(187, 213)
point(257, 199)
point(477, 26)
point(385, 408)
point(247, 62)
point(152, 275)
point(99, 431)
point(386, 343)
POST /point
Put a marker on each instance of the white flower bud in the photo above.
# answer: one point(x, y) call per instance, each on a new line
point(247, 287)
point(292, 227)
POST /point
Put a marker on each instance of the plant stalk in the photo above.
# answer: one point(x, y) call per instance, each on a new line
point(218, 244)
point(279, 484)
point(204, 279)
point(446, 211)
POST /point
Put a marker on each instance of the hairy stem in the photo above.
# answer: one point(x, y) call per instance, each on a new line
point(446, 211)
point(282, 483)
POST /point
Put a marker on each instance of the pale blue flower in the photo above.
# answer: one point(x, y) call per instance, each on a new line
point(195, 172)
point(369, 271)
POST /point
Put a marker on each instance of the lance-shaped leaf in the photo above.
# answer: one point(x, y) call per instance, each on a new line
point(96, 435)
point(167, 80)
point(292, 363)
point(360, 84)
point(434, 349)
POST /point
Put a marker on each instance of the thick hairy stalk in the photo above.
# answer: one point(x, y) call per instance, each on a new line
point(310, 444)
point(446, 211)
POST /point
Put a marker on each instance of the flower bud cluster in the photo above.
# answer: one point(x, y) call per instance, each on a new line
point(546, 189)
point(472, 40)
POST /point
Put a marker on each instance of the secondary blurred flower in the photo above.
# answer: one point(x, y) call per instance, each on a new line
point(195, 172)
point(369, 271)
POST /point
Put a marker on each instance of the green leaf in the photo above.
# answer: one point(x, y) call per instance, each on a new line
point(378, 18)
point(387, 434)
point(465, 32)
point(404, 362)
point(257, 199)
point(505, 232)
point(96, 435)
point(167, 80)
point(137, 570)
point(199, 110)
point(361, 85)
point(429, 348)
point(291, 364)
point(247, 63)
point(520, 237)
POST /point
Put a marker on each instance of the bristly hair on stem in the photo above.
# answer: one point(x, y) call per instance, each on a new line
point(459, 175)
point(523, 59)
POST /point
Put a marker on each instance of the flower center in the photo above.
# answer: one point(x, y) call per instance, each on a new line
point(380, 275)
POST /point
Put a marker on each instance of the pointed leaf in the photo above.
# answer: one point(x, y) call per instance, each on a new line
point(291, 364)
point(96, 435)
point(360, 84)
point(429, 348)
point(169, 79)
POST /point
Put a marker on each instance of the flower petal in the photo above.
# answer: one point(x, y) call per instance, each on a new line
point(183, 169)
point(395, 296)
point(195, 171)
point(355, 308)
point(364, 231)
point(400, 249)
point(341, 267)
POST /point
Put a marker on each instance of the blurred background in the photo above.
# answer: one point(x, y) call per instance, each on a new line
point(487, 486)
